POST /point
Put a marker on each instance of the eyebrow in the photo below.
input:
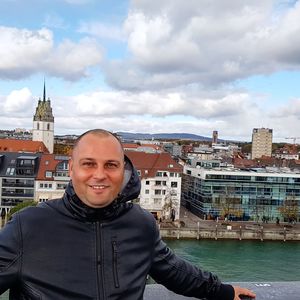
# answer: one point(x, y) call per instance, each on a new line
point(107, 161)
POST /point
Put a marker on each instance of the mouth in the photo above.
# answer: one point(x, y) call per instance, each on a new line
point(98, 187)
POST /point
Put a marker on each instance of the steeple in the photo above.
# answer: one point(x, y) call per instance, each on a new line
point(43, 122)
point(44, 97)
point(43, 110)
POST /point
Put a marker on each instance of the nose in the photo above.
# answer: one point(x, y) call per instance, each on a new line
point(99, 173)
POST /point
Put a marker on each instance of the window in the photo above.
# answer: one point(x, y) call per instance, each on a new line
point(147, 182)
point(174, 184)
point(157, 192)
point(147, 192)
point(157, 201)
point(50, 185)
point(48, 174)
point(48, 126)
point(159, 174)
point(61, 186)
point(41, 185)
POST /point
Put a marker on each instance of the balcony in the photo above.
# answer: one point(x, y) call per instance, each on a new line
point(17, 184)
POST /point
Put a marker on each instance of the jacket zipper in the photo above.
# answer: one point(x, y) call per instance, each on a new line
point(100, 265)
point(115, 264)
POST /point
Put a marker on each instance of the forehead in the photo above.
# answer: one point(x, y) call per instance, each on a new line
point(98, 147)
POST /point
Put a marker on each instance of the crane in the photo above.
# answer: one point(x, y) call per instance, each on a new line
point(293, 138)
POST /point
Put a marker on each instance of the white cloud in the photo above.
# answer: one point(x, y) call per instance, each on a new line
point(27, 52)
point(101, 30)
point(205, 42)
point(18, 101)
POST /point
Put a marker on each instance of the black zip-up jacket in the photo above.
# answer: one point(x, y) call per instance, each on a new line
point(63, 249)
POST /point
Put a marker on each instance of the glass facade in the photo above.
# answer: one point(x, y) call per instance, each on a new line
point(240, 196)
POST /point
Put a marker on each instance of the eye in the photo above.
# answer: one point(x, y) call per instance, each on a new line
point(112, 165)
point(88, 164)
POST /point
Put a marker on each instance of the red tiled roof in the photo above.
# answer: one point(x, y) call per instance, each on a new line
point(136, 146)
point(13, 145)
point(129, 145)
point(47, 163)
point(153, 162)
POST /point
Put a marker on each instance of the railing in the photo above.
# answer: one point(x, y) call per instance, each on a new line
point(263, 291)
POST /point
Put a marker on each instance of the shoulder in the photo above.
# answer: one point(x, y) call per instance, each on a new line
point(138, 211)
point(40, 212)
point(141, 218)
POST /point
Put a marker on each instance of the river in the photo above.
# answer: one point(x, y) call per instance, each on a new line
point(235, 260)
point(238, 261)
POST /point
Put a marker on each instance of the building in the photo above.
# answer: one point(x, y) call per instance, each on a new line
point(241, 194)
point(261, 142)
point(43, 123)
point(13, 145)
point(17, 177)
point(215, 137)
point(52, 177)
point(160, 183)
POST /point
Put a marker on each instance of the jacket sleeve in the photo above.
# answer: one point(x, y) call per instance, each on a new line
point(10, 254)
point(183, 278)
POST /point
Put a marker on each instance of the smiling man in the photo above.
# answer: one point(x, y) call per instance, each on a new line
point(93, 243)
point(97, 172)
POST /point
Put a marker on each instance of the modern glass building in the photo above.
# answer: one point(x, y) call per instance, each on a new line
point(241, 194)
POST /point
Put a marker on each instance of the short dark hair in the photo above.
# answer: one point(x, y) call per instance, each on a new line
point(99, 132)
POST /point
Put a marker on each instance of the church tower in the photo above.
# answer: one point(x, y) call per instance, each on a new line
point(43, 123)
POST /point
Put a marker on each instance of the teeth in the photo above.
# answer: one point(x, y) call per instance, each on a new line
point(98, 187)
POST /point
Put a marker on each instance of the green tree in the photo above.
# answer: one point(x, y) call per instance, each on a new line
point(20, 206)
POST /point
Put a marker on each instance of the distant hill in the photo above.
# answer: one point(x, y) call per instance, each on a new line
point(171, 136)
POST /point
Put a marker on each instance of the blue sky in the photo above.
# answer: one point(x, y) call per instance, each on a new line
point(153, 66)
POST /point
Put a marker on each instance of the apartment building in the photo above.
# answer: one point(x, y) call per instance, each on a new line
point(251, 193)
point(261, 142)
point(17, 177)
point(160, 183)
point(52, 177)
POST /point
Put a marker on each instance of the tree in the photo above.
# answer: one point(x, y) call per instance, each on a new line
point(19, 207)
point(170, 206)
point(290, 209)
point(228, 204)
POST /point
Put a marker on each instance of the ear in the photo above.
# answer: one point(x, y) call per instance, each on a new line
point(70, 167)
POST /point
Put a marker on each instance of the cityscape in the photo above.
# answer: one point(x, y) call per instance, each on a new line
point(204, 98)
point(213, 180)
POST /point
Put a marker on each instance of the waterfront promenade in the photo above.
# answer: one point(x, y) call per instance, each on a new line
point(193, 227)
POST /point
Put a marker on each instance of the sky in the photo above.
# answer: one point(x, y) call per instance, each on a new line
point(152, 66)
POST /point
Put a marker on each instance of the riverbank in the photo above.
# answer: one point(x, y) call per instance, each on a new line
point(192, 227)
point(232, 231)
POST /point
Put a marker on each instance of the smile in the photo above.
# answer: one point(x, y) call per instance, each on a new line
point(98, 187)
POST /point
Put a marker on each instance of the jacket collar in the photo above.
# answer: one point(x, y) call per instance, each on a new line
point(130, 190)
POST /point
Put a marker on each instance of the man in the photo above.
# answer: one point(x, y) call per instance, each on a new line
point(92, 243)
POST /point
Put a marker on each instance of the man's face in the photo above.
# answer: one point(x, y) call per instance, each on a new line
point(97, 169)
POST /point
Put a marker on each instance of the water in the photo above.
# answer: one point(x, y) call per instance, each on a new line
point(243, 260)
point(238, 261)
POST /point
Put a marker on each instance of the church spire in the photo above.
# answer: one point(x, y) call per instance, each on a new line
point(43, 110)
point(44, 97)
